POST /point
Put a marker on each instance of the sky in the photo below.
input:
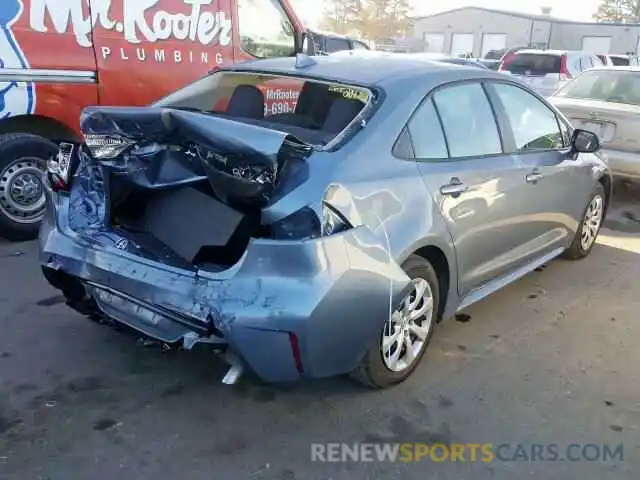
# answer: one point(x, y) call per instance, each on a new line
point(311, 10)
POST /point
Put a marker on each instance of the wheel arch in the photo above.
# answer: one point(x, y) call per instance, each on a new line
point(607, 183)
point(438, 259)
point(40, 125)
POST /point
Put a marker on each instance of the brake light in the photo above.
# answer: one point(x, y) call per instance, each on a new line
point(506, 61)
point(564, 71)
point(295, 351)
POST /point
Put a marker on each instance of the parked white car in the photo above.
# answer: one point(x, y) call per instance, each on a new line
point(548, 70)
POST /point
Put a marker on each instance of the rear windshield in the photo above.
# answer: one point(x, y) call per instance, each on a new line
point(313, 111)
point(605, 85)
point(495, 54)
point(533, 63)
point(620, 61)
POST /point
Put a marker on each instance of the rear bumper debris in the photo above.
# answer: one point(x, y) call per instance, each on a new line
point(286, 310)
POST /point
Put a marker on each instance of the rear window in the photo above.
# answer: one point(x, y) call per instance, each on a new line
point(495, 54)
point(620, 61)
point(533, 63)
point(606, 86)
point(315, 112)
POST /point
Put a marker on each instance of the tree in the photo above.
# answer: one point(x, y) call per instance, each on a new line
point(371, 19)
point(618, 11)
point(342, 16)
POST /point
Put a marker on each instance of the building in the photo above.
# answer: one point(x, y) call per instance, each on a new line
point(475, 31)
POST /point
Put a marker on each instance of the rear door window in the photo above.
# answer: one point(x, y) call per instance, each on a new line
point(426, 133)
point(533, 64)
point(468, 121)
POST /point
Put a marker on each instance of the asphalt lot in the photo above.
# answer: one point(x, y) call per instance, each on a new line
point(551, 359)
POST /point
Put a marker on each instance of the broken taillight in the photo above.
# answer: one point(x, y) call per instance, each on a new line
point(106, 147)
point(304, 224)
point(60, 166)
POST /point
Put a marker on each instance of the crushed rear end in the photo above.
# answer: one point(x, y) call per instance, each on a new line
point(159, 222)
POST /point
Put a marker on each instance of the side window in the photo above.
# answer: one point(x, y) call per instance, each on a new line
point(359, 45)
point(426, 133)
point(534, 125)
point(337, 44)
point(468, 120)
point(265, 29)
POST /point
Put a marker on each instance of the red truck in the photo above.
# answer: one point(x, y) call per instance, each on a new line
point(59, 56)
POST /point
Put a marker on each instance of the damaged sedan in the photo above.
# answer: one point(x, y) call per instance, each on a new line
point(324, 240)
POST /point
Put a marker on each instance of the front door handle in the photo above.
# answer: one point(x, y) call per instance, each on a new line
point(534, 176)
point(454, 188)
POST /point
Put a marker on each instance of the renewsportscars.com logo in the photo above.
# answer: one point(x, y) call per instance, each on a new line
point(466, 452)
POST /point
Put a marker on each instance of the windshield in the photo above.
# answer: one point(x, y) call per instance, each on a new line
point(606, 86)
point(313, 111)
point(533, 63)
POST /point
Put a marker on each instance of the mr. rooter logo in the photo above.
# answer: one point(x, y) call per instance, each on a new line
point(141, 20)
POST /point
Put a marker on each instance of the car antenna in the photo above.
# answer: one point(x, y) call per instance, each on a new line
point(304, 61)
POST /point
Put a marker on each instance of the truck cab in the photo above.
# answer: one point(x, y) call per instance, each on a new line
point(59, 56)
point(325, 43)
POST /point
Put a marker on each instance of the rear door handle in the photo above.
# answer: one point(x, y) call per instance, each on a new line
point(534, 176)
point(454, 188)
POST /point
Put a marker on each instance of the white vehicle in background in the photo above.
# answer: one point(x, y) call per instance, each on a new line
point(606, 101)
point(545, 71)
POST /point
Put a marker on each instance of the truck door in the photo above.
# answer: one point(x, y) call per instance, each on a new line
point(146, 49)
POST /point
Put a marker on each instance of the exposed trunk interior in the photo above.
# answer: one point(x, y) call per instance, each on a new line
point(188, 189)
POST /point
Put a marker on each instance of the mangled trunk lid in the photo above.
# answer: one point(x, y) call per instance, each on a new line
point(190, 183)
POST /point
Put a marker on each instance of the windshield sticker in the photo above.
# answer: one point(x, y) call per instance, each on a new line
point(351, 93)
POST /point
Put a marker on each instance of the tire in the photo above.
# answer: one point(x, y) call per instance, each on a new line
point(578, 250)
point(23, 157)
point(374, 371)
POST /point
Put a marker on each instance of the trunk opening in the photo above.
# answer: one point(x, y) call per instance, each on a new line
point(187, 189)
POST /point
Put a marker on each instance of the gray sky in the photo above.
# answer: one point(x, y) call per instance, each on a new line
point(311, 10)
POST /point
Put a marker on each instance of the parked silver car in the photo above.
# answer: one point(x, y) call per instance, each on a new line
point(326, 240)
point(607, 101)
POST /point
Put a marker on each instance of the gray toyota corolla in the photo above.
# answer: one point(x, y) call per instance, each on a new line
point(325, 238)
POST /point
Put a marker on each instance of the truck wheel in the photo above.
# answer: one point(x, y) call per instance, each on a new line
point(23, 158)
point(404, 338)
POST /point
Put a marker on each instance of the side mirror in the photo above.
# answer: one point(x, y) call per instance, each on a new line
point(584, 141)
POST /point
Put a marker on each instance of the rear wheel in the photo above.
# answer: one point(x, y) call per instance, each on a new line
point(404, 338)
point(589, 227)
point(23, 157)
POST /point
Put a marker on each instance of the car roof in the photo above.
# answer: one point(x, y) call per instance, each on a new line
point(365, 68)
point(624, 68)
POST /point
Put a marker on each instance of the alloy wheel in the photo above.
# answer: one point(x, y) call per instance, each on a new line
point(592, 222)
point(406, 333)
